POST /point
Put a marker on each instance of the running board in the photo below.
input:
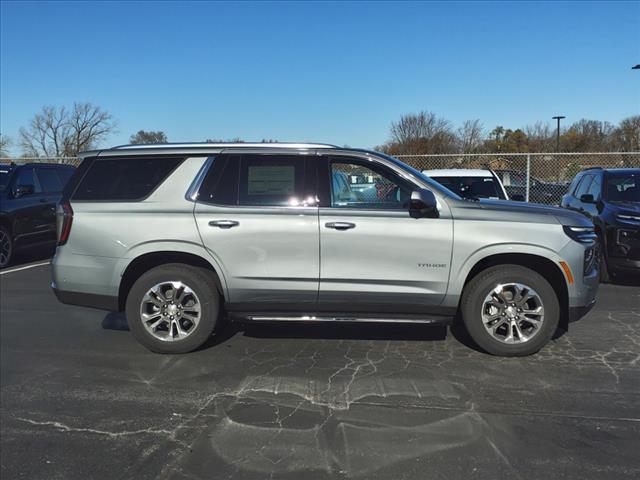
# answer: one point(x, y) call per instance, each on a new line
point(367, 318)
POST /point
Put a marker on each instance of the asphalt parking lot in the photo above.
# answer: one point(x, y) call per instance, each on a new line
point(81, 399)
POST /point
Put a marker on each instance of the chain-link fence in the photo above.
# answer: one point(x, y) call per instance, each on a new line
point(534, 177)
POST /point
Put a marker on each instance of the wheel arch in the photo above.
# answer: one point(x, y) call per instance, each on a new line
point(549, 269)
point(144, 262)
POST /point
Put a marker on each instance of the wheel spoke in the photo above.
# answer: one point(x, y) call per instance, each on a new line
point(512, 313)
point(168, 303)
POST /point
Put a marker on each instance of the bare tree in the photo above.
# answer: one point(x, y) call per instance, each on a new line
point(5, 145)
point(627, 135)
point(144, 137)
point(420, 133)
point(470, 136)
point(541, 137)
point(587, 136)
point(62, 132)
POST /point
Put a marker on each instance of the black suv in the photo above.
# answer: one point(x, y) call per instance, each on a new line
point(515, 183)
point(28, 197)
point(611, 198)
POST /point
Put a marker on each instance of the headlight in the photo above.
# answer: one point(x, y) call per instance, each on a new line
point(586, 235)
point(591, 257)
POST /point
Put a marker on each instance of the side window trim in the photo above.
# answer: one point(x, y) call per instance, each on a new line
point(194, 189)
point(239, 157)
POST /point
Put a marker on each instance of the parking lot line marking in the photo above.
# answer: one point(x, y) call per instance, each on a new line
point(26, 267)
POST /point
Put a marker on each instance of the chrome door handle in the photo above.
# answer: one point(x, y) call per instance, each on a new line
point(340, 225)
point(223, 223)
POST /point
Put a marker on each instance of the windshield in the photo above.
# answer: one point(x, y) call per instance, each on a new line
point(5, 175)
point(472, 187)
point(623, 187)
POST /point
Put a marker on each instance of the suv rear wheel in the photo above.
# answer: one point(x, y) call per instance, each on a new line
point(173, 308)
point(510, 310)
point(6, 247)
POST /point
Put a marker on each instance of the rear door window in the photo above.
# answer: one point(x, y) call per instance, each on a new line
point(26, 177)
point(260, 180)
point(124, 179)
point(49, 180)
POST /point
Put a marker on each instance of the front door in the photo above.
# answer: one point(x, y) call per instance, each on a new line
point(258, 218)
point(374, 256)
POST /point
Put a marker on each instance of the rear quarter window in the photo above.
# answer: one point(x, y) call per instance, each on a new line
point(124, 179)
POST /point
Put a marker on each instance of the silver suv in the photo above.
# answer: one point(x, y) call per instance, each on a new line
point(180, 236)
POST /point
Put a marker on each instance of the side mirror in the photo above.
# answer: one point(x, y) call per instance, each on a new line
point(22, 190)
point(587, 198)
point(423, 204)
point(517, 197)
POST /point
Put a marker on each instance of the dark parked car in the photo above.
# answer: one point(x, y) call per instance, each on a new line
point(515, 182)
point(28, 197)
point(611, 198)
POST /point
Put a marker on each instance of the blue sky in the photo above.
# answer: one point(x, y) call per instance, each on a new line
point(327, 72)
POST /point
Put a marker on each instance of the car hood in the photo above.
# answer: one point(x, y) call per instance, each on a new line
point(510, 211)
point(631, 208)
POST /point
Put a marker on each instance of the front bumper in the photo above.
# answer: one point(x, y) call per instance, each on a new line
point(576, 313)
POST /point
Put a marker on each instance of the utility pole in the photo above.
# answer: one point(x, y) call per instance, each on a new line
point(558, 118)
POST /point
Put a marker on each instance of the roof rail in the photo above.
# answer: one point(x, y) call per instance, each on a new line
point(222, 145)
point(591, 168)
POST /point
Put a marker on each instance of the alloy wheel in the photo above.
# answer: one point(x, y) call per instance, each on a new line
point(170, 311)
point(512, 313)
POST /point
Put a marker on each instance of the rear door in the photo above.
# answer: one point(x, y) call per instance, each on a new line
point(258, 218)
point(51, 189)
point(374, 256)
point(29, 219)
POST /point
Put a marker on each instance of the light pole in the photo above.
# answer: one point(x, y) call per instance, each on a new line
point(558, 118)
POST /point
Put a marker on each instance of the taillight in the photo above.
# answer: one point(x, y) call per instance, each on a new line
point(64, 219)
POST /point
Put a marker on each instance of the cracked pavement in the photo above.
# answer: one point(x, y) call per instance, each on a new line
point(81, 399)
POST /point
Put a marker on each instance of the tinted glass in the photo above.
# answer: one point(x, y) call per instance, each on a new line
point(124, 178)
point(5, 176)
point(595, 188)
point(274, 180)
point(26, 177)
point(472, 187)
point(623, 188)
point(220, 186)
point(354, 185)
point(584, 186)
point(64, 174)
point(49, 180)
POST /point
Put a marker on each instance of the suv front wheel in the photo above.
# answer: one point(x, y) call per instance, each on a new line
point(173, 308)
point(510, 310)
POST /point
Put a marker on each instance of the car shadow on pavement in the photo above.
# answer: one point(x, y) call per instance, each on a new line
point(627, 280)
point(348, 331)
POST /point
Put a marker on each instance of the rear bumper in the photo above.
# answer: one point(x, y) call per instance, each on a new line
point(101, 302)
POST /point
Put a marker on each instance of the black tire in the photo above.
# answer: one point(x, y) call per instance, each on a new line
point(200, 281)
point(6, 247)
point(481, 285)
point(605, 276)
